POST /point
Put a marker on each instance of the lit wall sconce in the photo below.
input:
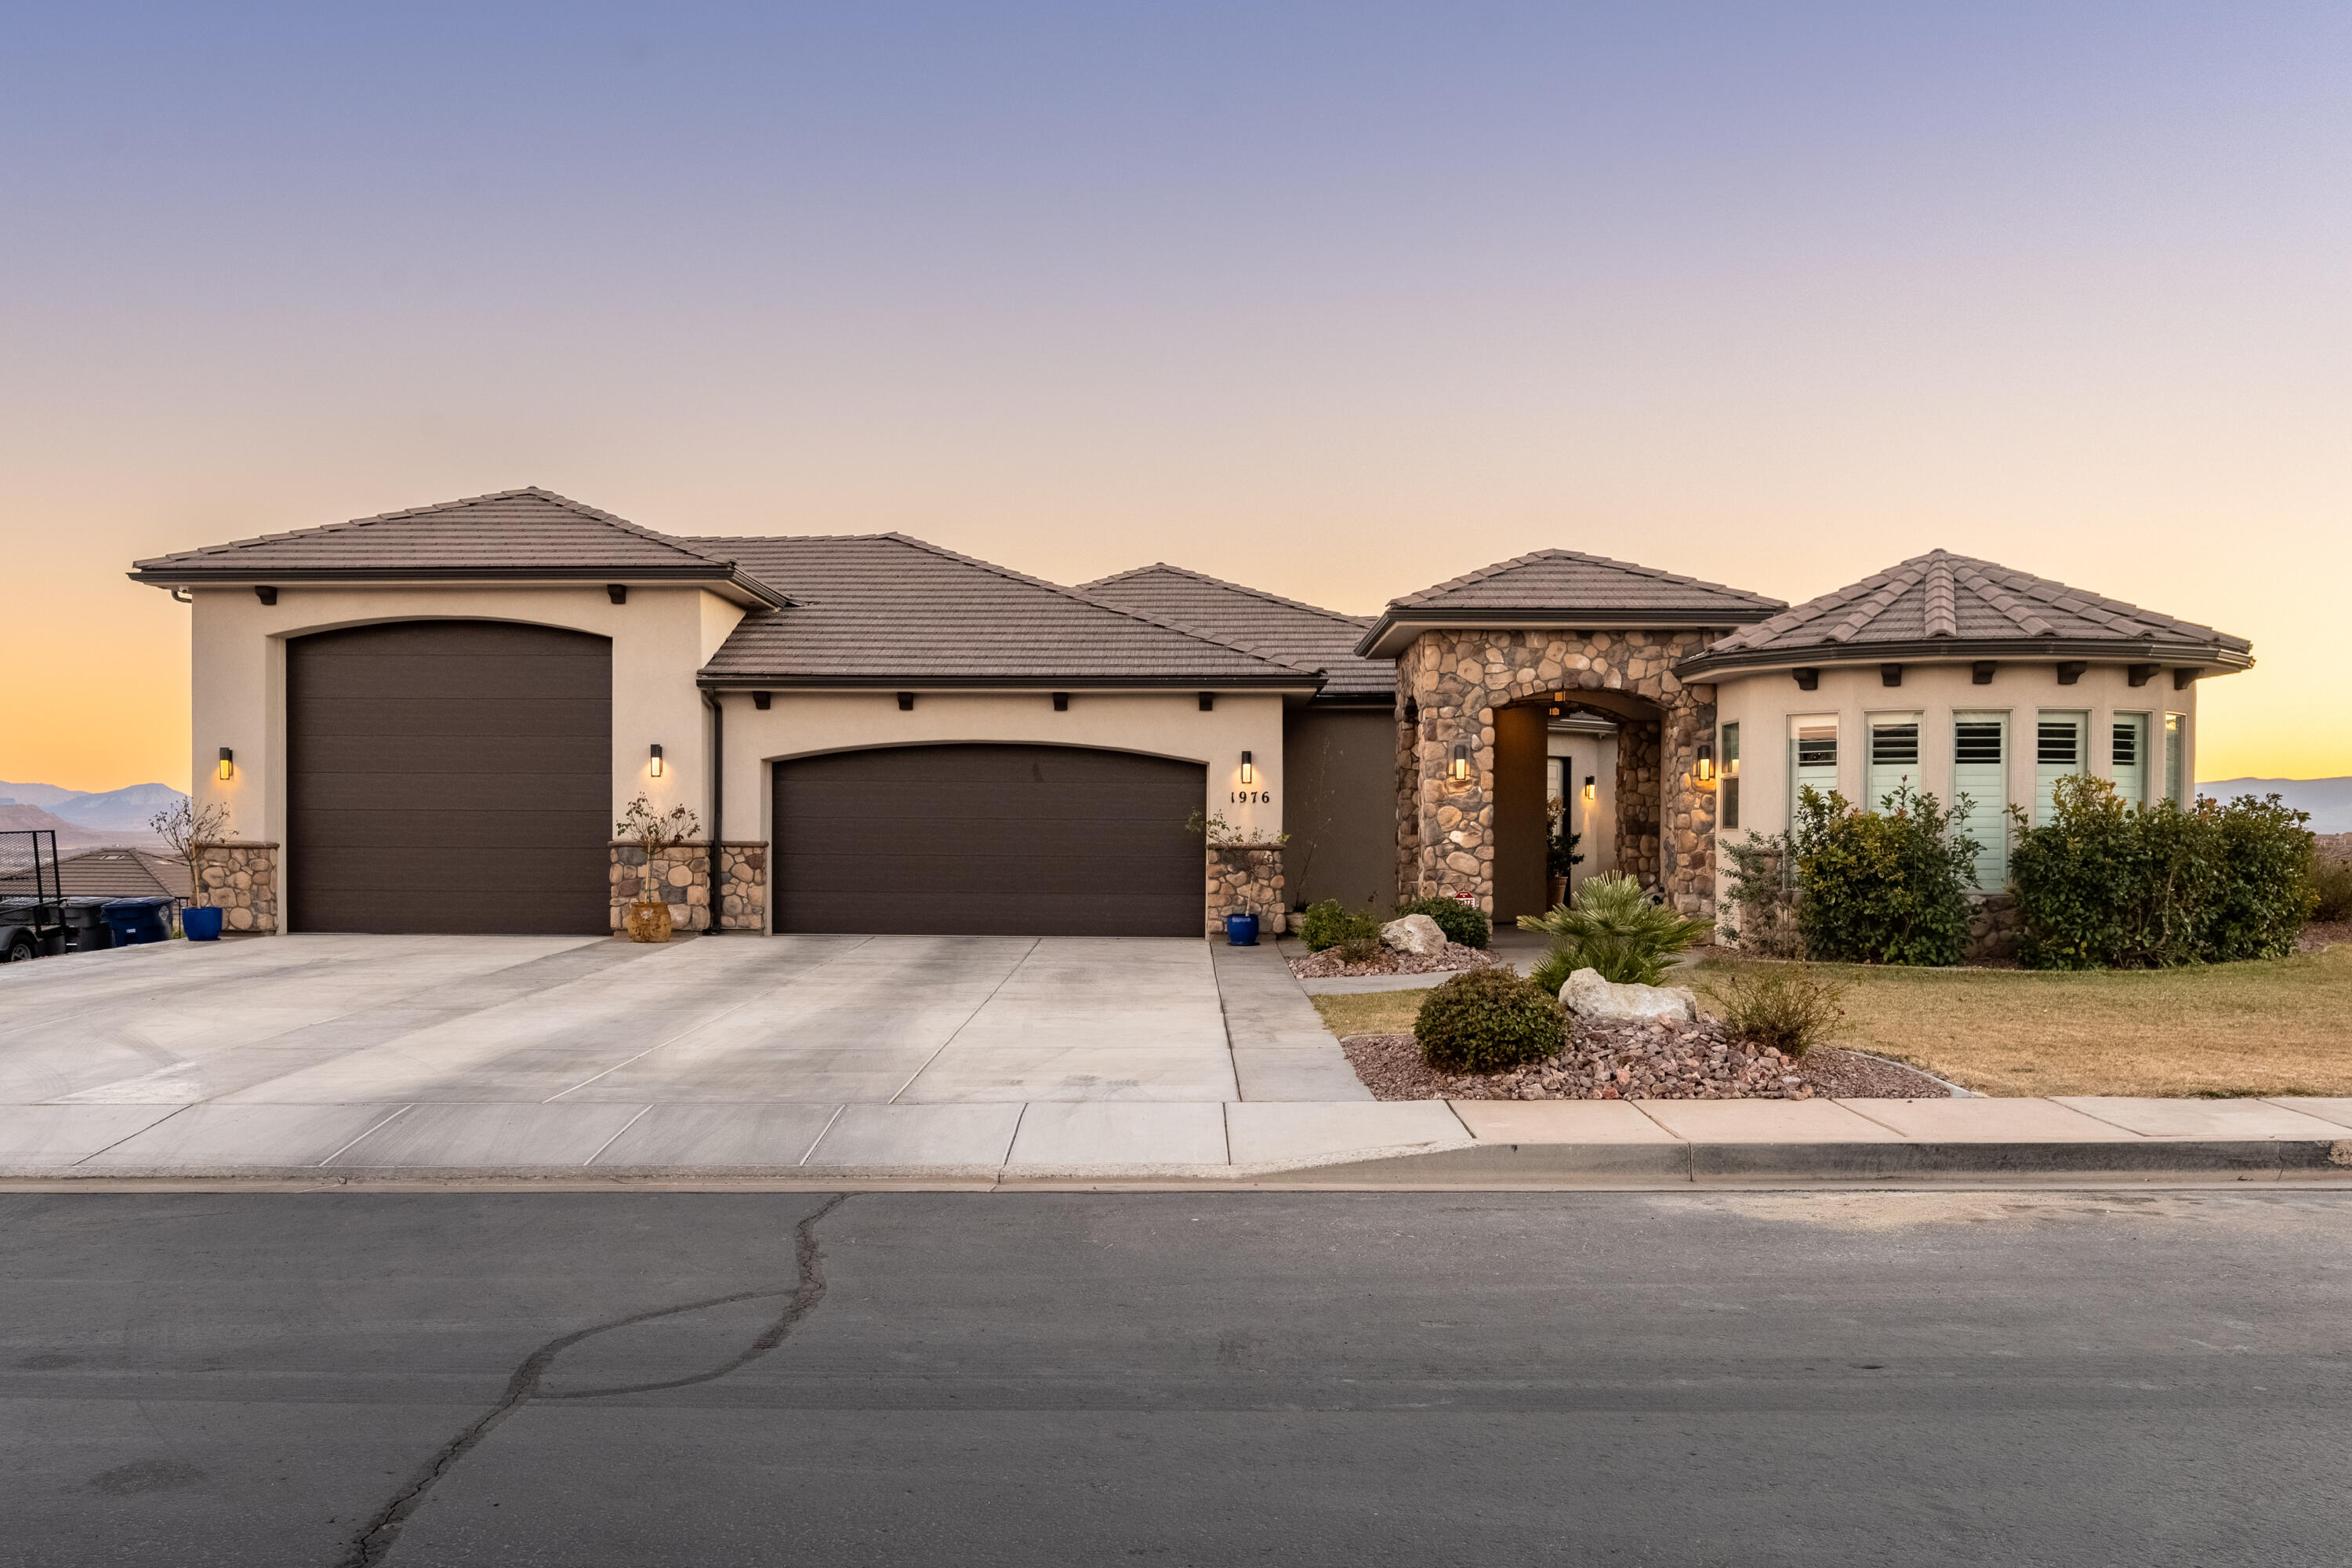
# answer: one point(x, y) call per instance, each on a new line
point(657, 763)
point(1458, 770)
point(1249, 769)
point(227, 761)
point(1707, 761)
point(1590, 792)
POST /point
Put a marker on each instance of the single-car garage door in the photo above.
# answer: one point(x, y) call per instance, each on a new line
point(448, 776)
point(1023, 840)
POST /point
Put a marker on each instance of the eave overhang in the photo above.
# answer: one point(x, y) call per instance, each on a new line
point(1710, 665)
point(1396, 629)
point(1284, 685)
point(733, 583)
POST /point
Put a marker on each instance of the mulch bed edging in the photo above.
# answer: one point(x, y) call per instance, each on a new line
point(1641, 1061)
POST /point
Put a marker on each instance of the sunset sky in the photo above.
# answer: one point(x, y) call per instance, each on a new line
point(1337, 300)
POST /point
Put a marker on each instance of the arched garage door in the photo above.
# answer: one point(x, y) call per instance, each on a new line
point(969, 839)
point(448, 776)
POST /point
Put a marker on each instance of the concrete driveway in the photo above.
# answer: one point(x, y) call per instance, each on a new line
point(467, 1052)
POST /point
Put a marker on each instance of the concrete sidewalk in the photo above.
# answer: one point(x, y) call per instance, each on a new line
point(1361, 1143)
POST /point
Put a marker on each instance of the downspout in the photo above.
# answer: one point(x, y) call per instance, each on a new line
point(717, 798)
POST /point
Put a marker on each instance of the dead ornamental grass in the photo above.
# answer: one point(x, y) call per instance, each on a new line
point(2283, 1026)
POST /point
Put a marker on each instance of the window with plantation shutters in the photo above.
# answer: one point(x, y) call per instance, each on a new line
point(2058, 751)
point(1980, 780)
point(1812, 757)
point(1894, 757)
point(2127, 757)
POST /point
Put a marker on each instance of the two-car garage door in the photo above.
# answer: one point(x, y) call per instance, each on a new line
point(1023, 840)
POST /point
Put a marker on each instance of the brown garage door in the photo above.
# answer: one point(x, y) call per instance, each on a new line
point(1023, 840)
point(448, 776)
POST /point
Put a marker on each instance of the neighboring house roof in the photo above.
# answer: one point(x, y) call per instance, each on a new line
point(885, 610)
point(1945, 605)
point(109, 874)
point(525, 534)
point(1563, 588)
point(1302, 635)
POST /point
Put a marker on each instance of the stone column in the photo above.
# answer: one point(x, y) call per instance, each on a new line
point(239, 878)
point(742, 885)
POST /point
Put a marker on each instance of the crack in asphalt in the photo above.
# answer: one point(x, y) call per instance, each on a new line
point(374, 1545)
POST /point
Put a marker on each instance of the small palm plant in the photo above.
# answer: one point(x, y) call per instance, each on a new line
point(653, 831)
point(1611, 926)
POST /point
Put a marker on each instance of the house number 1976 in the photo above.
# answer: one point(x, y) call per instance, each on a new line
point(1254, 796)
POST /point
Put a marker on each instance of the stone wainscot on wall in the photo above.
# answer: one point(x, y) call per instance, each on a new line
point(1247, 879)
point(682, 880)
point(240, 880)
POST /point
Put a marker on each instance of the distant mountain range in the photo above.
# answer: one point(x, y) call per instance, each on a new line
point(2329, 801)
point(127, 810)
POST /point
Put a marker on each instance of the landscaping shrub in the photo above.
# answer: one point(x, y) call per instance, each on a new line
point(2331, 889)
point(1488, 1020)
point(1883, 887)
point(1330, 922)
point(1760, 918)
point(1464, 923)
point(2107, 885)
point(1359, 949)
point(1788, 1007)
point(1612, 927)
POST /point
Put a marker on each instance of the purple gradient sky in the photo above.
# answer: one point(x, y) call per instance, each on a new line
point(1338, 300)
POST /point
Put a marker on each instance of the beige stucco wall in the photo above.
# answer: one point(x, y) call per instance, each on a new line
point(1762, 705)
point(1156, 723)
point(660, 638)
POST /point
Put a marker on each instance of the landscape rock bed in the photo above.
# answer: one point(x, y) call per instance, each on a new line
point(1641, 1061)
point(1327, 965)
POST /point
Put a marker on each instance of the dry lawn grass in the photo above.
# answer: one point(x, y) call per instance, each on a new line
point(2276, 1027)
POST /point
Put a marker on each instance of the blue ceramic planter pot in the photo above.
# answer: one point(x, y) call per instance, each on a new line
point(1241, 930)
point(202, 925)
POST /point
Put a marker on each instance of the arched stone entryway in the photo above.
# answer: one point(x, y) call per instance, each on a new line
point(1467, 688)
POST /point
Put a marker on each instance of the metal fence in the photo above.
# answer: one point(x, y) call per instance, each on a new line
point(28, 864)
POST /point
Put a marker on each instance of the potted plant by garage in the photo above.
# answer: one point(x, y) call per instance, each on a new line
point(652, 832)
point(187, 827)
point(1559, 853)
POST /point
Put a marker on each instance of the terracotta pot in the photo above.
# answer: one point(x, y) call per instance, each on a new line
point(649, 921)
point(1557, 886)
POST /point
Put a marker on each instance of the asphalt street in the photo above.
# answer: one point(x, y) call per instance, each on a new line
point(345, 1378)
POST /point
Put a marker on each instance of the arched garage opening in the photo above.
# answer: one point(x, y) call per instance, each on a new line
point(450, 776)
point(989, 839)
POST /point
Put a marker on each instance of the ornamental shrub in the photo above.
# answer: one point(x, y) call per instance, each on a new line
point(1464, 923)
point(1612, 927)
point(1788, 1007)
point(1760, 914)
point(1883, 887)
point(2331, 888)
point(2103, 884)
point(1488, 1020)
point(1330, 922)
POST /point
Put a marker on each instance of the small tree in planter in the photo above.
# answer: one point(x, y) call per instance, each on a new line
point(187, 827)
point(653, 832)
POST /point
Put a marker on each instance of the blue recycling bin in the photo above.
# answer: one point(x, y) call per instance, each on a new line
point(141, 920)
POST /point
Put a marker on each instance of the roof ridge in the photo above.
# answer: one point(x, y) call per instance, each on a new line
point(1892, 583)
point(1072, 594)
point(1358, 622)
point(1555, 552)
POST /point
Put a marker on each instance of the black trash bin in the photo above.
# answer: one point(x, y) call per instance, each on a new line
point(86, 924)
point(141, 920)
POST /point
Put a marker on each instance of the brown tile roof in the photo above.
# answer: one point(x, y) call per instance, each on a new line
point(1944, 604)
point(1566, 587)
point(1302, 635)
point(519, 533)
point(888, 610)
point(109, 874)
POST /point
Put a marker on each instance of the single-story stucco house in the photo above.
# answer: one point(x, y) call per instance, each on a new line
point(429, 721)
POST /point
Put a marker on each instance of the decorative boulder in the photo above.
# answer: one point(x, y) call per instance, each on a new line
point(1414, 933)
point(1588, 996)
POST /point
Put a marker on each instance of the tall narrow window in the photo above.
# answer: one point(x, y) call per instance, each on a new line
point(1981, 778)
point(2057, 752)
point(2127, 757)
point(1894, 756)
point(2175, 759)
point(1812, 757)
point(1730, 808)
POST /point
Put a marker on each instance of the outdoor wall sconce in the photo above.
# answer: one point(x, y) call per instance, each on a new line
point(1590, 792)
point(1707, 761)
point(658, 761)
point(1458, 770)
point(1249, 769)
point(227, 761)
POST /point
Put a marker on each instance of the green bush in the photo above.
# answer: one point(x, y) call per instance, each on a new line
point(1330, 922)
point(2331, 889)
point(1358, 950)
point(2105, 884)
point(1488, 1020)
point(1464, 923)
point(1612, 927)
point(1788, 1007)
point(1883, 887)
point(1759, 917)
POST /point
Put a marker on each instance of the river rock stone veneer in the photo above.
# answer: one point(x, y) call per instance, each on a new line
point(1247, 879)
point(1453, 681)
point(682, 880)
point(240, 880)
point(742, 885)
